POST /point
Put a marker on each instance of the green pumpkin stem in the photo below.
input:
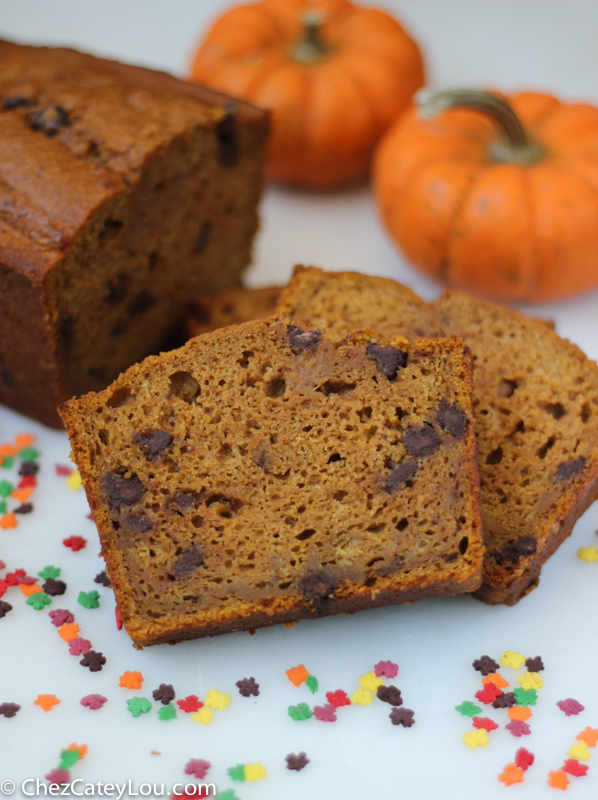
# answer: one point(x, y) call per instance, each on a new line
point(515, 146)
point(310, 48)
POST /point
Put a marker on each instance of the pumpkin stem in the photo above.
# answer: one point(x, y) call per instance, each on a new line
point(310, 48)
point(515, 145)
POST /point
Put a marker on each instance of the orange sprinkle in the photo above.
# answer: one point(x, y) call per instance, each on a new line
point(511, 774)
point(131, 680)
point(519, 712)
point(589, 736)
point(82, 748)
point(30, 588)
point(8, 521)
point(7, 449)
point(46, 701)
point(22, 494)
point(68, 631)
point(558, 779)
point(496, 679)
point(297, 675)
point(23, 440)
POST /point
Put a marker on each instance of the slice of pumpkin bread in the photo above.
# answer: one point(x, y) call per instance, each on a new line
point(536, 410)
point(535, 405)
point(263, 473)
point(212, 311)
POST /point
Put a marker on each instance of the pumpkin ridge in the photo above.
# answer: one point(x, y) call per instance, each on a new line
point(447, 261)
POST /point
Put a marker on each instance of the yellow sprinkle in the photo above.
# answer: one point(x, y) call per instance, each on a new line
point(588, 553)
point(288, 624)
point(74, 480)
point(362, 697)
point(580, 751)
point(216, 699)
point(476, 738)
point(253, 772)
point(512, 659)
point(370, 681)
point(203, 715)
point(530, 680)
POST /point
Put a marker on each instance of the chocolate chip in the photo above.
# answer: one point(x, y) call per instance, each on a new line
point(110, 227)
point(317, 587)
point(116, 290)
point(226, 139)
point(49, 120)
point(513, 552)
point(119, 327)
point(102, 578)
point(123, 491)
point(390, 359)
point(66, 331)
point(188, 562)
point(153, 443)
point(9, 103)
point(185, 500)
point(400, 474)
point(451, 419)
point(203, 238)
point(138, 523)
point(28, 468)
point(54, 587)
point(301, 339)
point(142, 301)
point(389, 694)
point(421, 441)
point(570, 468)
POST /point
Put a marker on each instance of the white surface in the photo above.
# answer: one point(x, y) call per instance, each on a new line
point(504, 43)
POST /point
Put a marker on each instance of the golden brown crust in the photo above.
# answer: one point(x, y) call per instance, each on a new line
point(123, 192)
point(263, 473)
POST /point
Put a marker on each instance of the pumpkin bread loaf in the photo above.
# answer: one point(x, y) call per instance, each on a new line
point(123, 192)
point(535, 405)
point(229, 308)
point(536, 411)
point(263, 473)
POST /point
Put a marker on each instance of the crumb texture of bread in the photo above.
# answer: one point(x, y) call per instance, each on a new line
point(263, 473)
point(230, 308)
point(536, 398)
point(123, 193)
point(535, 406)
point(343, 302)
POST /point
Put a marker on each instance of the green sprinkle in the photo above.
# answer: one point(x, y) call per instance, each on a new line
point(39, 600)
point(138, 706)
point(89, 599)
point(468, 709)
point(6, 489)
point(300, 712)
point(525, 697)
point(236, 773)
point(312, 683)
point(228, 794)
point(68, 758)
point(50, 572)
point(167, 712)
point(8, 462)
point(3, 507)
point(29, 454)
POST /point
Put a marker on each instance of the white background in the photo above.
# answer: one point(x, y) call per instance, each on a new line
point(507, 44)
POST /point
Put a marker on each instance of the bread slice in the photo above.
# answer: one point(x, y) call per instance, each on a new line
point(209, 312)
point(536, 410)
point(124, 192)
point(535, 404)
point(263, 473)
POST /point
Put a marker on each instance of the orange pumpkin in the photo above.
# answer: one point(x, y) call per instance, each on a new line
point(498, 198)
point(334, 75)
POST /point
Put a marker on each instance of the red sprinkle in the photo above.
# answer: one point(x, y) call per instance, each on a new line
point(190, 704)
point(338, 698)
point(523, 758)
point(75, 543)
point(26, 481)
point(573, 767)
point(570, 706)
point(63, 471)
point(485, 723)
point(119, 620)
point(489, 693)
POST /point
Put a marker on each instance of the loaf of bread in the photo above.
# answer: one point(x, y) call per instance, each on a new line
point(231, 307)
point(263, 473)
point(123, 193)
point(535, 405)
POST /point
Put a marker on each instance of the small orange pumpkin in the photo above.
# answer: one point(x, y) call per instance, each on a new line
point(334, 75)
point(498, 198)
